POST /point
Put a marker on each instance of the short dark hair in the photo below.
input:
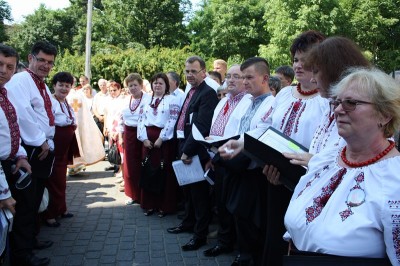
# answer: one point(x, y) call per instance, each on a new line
point(160, 76)
point(8, 51)
point(45, 47)
point(333, 56)
point(175, 77)
point(286, 71)
point(216, 74)
point(275, 83)
point(261, 65)
point(63, 77)
point(305, 41)
point(197, 58)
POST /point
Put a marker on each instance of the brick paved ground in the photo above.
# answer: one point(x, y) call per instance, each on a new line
point(106, 232)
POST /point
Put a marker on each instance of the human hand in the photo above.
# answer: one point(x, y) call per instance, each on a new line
point(9, 204)
point(209, 165)
point(148, 144)
point(186, 159)
point(231, 149)
point(158, 143)
point(45, 151)
point(299, 158)
point(272, 174)
point(22, 162)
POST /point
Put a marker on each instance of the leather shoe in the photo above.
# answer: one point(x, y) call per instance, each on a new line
point(30, 260)
point(194, 244)
point(217, 250)
point(43, 244)
point(178, 229)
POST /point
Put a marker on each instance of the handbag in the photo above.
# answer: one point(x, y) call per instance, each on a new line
point(113, 155)
point(152, 178)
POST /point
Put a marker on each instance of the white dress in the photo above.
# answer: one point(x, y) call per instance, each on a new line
point(371, 229)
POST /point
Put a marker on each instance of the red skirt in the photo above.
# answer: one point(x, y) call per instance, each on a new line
point(167, 201)
point(132, 162)
point(64, 147)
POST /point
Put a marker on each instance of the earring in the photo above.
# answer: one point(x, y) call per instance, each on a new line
point(380, 125)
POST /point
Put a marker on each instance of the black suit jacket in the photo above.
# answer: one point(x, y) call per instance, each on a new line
point(201, 107)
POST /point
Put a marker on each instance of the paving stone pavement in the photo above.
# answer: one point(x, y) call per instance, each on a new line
point(104, 231)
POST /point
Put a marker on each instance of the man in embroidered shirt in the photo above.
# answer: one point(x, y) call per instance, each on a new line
point(11, 152)
point(31, 98)
point(246, 197)
point(197, 109)
point(225, 123)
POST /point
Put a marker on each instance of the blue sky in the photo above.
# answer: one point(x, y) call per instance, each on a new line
point(21, 8)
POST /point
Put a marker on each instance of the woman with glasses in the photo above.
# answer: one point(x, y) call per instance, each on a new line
point(155, 130)
point(348, 202)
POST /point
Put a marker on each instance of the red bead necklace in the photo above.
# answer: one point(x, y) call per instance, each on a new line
point(130, 103)
point(367, 162)
point(306, 93)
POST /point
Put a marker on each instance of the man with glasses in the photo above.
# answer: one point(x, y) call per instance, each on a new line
point(198, 109)
point(225, 123)
point(11, 152)
point(32, 100)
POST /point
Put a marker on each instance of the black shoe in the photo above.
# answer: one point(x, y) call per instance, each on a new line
point(67, 215)
point(53, 224)
point(30, 260)
point(116, 169)
point(109, 168)
point(194, 244)
point(217, 250)
point(178, 229)
point(43, 244)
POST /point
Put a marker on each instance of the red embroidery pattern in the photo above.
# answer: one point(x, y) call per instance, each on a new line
point(11, 116)
point(348, 212)
point(181, 121)
point(5, 191)
point(314, 211)
point(396, 235)
point(316, 176)
point(46, 99)
point(322, 134)
point(218, 127)
point(267, 114)
point(295, 109)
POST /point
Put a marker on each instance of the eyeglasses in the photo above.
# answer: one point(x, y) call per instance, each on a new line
point(193, 72)
point(348, 105)
point(43, 61)
point(234, 77)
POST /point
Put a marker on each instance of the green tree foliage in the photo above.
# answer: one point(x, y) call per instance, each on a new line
point(224, 28)
point(55, 26)
point(285, 19)
point(375, 26)
point(115, 63)
point(150, 23)
point(5, 14)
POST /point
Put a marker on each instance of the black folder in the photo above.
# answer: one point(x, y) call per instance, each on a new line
point(262, 153)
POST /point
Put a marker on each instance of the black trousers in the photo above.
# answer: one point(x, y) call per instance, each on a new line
point(226, 221)
point(197, 205)
point(23, 235)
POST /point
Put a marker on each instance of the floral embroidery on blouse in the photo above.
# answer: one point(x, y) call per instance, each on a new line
point(292, 123)
point(394, 205)
point(315, 210)
point(322, 134)
point(316, 176)
point(357, 187)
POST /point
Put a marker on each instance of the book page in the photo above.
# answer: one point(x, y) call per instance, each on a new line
point(279, 142)
point(199, 137)
point(188, 173)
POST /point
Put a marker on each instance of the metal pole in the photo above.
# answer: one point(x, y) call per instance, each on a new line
point(88, 72)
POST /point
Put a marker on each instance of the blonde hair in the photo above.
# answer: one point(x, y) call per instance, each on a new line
point(383, 91)
point(87, 86)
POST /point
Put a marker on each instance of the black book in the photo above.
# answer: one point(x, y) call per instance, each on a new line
point(268, 149)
